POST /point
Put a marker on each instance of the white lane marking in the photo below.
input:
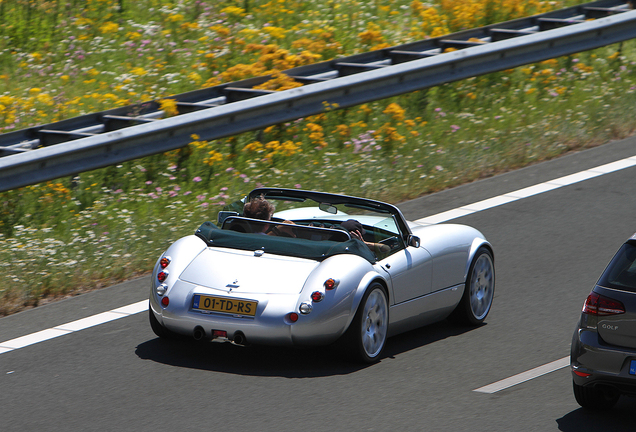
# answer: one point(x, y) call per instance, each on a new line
point(529, 191)
point(525, 376)
point(486, 204)
point(73, 326)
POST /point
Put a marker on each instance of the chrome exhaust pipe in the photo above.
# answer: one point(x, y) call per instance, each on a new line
point(239, 339)
point(198, 333)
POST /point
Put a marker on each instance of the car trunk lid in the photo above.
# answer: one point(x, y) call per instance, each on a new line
point(248, 271)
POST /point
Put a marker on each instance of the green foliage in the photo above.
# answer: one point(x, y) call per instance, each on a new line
point(106, 225)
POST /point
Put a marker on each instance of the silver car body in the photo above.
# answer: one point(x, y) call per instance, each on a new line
point(424, 278)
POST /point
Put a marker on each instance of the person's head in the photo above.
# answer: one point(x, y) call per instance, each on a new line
point(353, 225)
point(258, 208)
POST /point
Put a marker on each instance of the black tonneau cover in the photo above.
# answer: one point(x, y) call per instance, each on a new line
point(287, 246)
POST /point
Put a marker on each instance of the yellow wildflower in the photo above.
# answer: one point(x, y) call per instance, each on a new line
point(109, 27)
point(395, 111)
point(234, 11)
point(139, 71)
point(214, 157)
point(169, 107)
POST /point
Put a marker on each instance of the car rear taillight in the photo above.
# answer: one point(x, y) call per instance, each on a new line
point(317, 296)
point(165, 262)
point(165, 302)
point(596, 304)
point(162, 275)
point(330, 283)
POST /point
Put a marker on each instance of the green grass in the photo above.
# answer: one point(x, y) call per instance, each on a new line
point(74, 234)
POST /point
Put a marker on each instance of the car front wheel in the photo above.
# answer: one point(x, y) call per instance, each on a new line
point(479, 290)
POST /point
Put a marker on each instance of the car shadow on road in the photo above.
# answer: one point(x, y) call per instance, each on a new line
point(622, 418)
point(282, 361)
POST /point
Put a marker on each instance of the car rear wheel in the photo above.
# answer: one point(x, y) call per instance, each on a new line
point(367, 334)
point(595, 398)
point(479, 291)
point(156, 326)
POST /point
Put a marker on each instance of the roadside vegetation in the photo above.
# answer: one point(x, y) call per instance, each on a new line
point(60, 59)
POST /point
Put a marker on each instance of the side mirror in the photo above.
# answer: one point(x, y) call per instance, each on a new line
point(413, 241)
point(224, 215)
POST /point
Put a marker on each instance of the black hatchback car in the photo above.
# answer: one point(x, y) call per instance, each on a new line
point(603, 354)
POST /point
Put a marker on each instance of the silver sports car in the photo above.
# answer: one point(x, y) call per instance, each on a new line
point(323, 268)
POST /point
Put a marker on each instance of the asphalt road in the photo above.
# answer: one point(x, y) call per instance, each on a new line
point(549, 248)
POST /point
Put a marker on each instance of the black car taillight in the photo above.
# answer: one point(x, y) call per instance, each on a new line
point(596, 304)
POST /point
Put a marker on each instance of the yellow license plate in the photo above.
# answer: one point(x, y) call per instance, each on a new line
point(224, 304)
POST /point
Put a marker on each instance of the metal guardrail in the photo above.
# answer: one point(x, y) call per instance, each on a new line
point(96, 140)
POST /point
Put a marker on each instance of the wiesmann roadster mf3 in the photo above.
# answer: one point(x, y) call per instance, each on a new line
point(325, 268)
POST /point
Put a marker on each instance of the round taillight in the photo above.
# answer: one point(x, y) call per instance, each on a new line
point(165, 261)
point(162, 275)
point(330, 283)
point(317, 296)
point(293, 317)
point(165, 302)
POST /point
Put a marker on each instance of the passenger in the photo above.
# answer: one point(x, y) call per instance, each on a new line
point(357, 231)
point(259, 208)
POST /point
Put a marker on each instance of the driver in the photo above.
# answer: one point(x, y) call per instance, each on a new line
point(357, 231)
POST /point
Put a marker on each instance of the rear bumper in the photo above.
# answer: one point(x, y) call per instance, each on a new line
point(270, 325)
point(607, 365)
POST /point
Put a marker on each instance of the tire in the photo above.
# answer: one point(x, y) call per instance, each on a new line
point(159, 330)
point(479, 290)
point(595, 398)
point(366, 337)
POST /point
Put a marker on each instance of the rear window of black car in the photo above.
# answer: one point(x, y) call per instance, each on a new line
point(621, 272)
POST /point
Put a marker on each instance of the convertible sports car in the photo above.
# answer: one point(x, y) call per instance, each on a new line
point(325, 268)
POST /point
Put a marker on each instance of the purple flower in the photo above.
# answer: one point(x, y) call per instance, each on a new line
point(197, 179)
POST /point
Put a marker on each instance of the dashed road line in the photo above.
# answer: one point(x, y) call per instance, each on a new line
point(73, 326)
point(529, 191)
point(525, 376)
